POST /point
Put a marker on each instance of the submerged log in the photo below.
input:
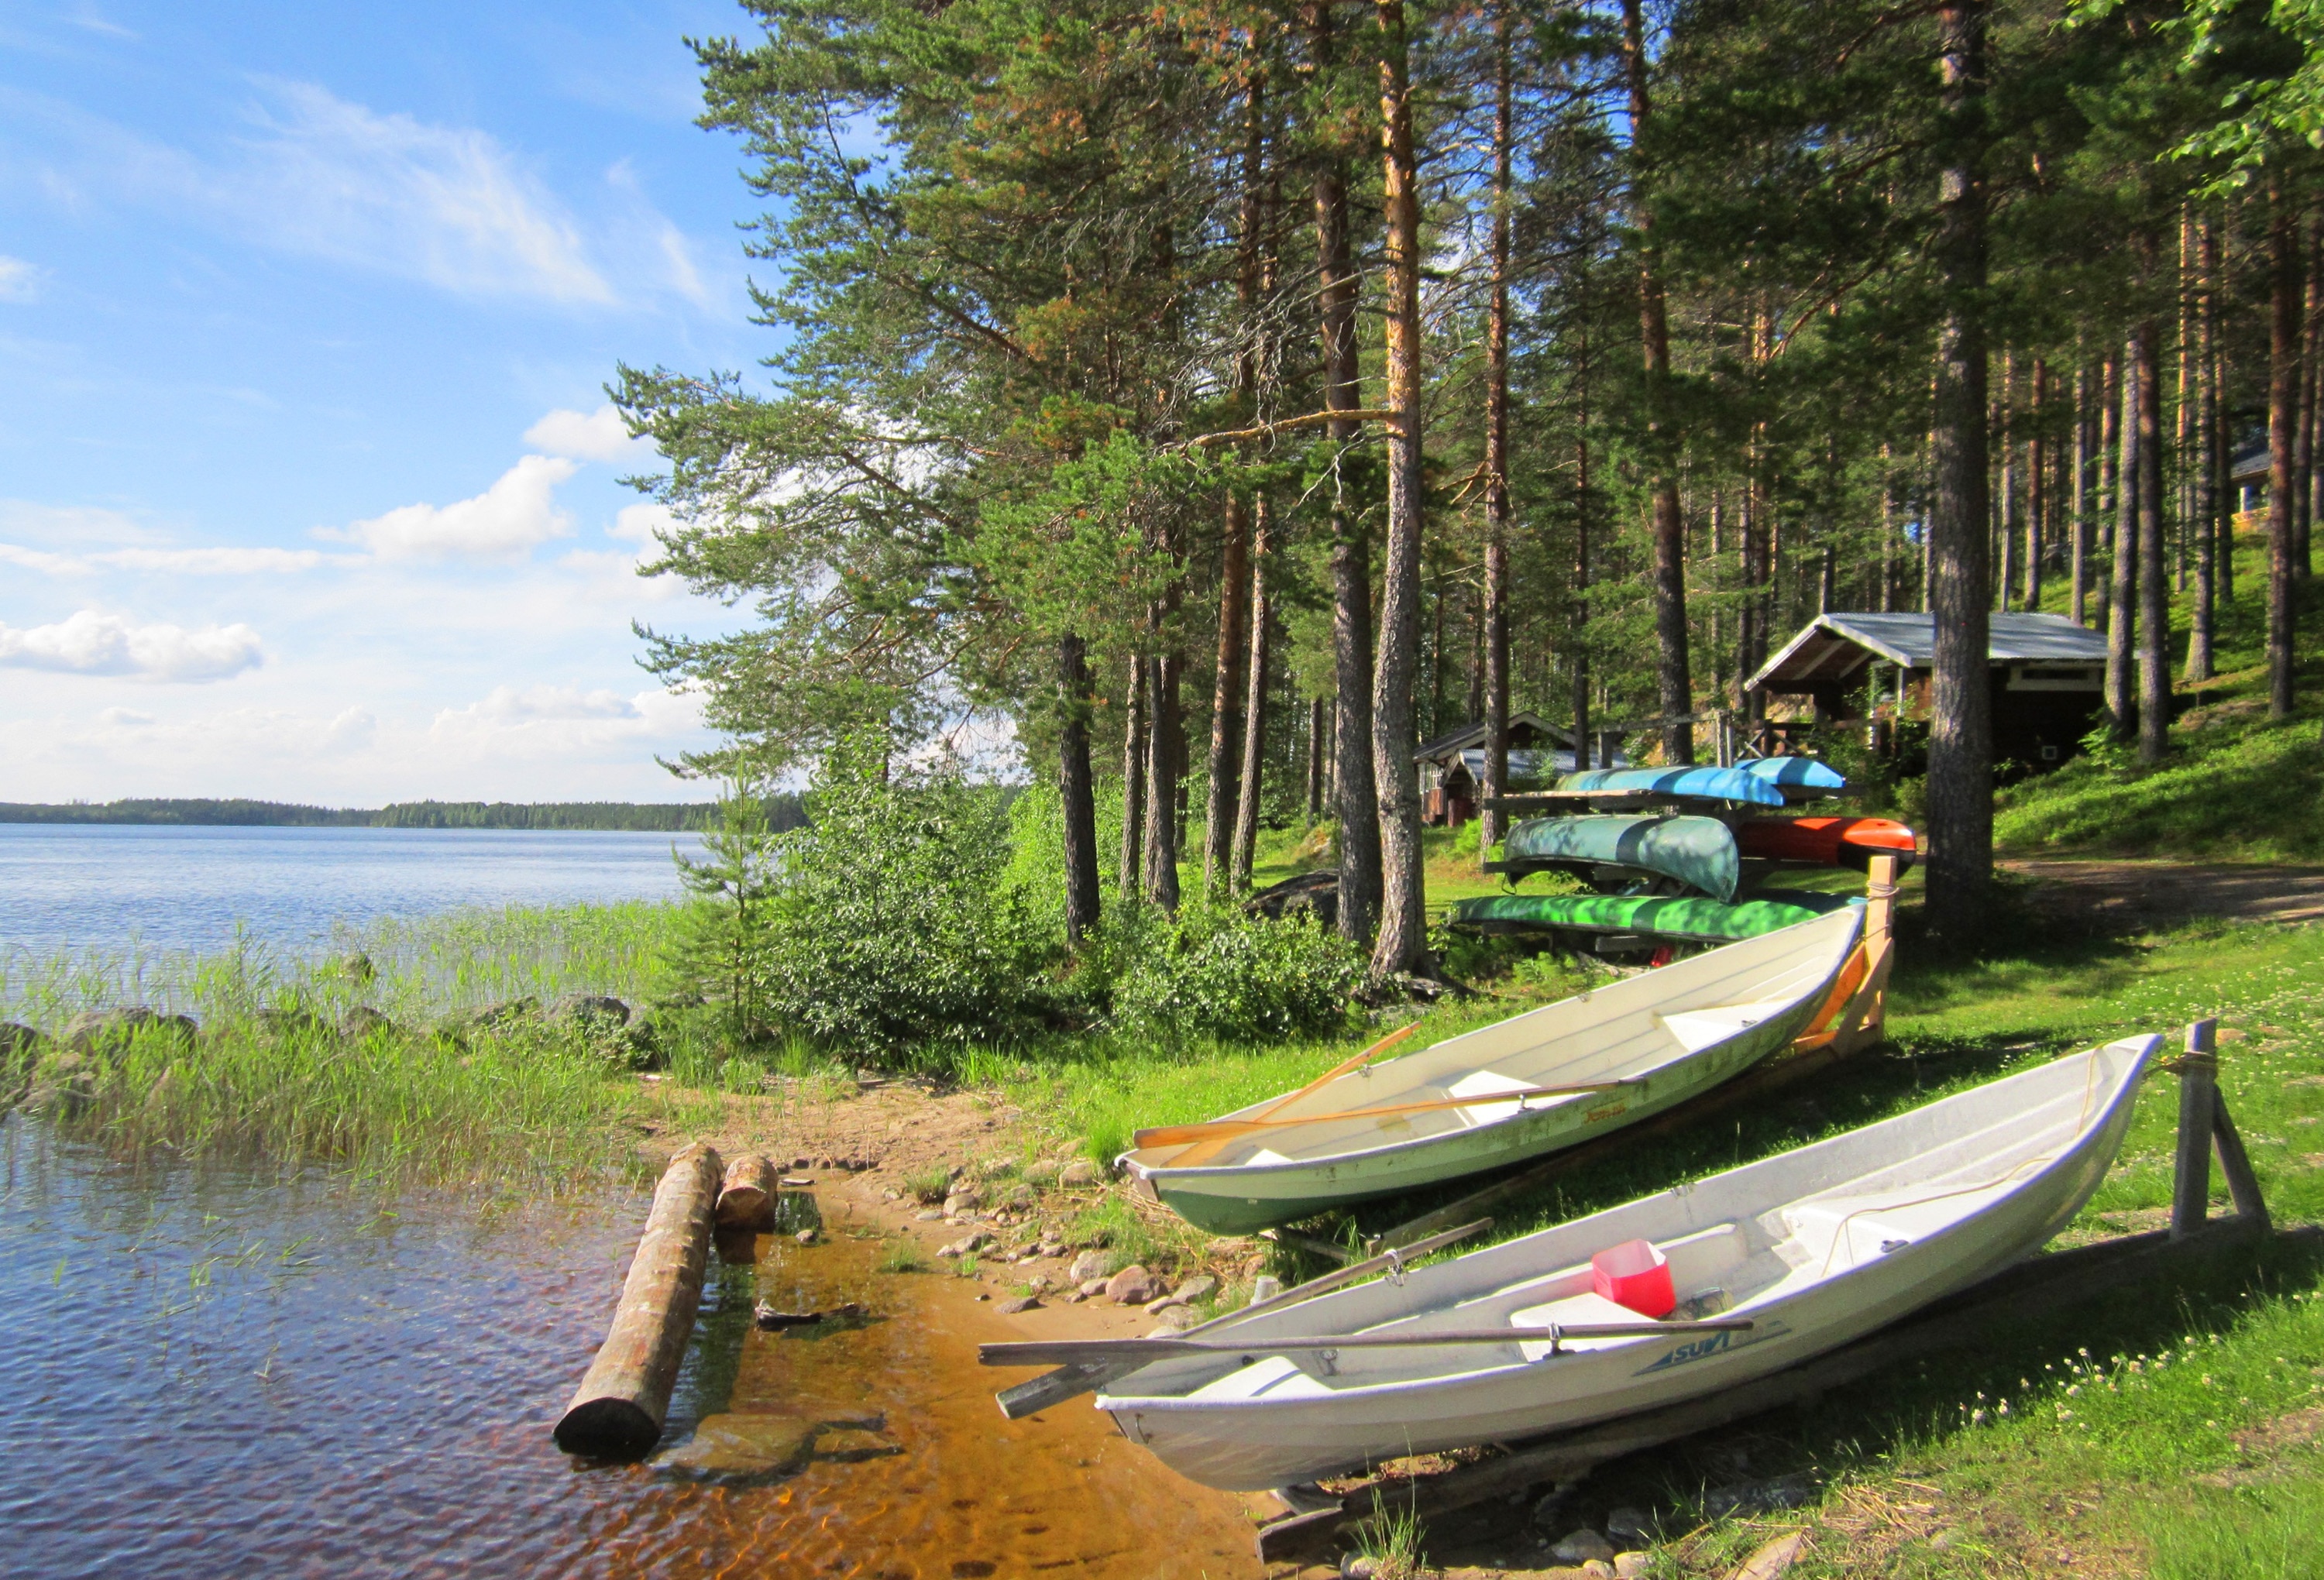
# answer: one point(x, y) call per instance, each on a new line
point(618, 1410)
point(747, 1199)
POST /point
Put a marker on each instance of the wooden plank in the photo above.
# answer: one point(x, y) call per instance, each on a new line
point(2191, 1174)
point(2243, 1185)
point(2029, 1290)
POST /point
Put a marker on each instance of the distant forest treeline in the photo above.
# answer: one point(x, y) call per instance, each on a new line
point(784, 810)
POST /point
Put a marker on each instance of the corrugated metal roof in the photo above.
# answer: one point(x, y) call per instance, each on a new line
point(1835, 647)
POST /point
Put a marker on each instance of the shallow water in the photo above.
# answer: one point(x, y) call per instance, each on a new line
point(77, 884)
point(221, 1372)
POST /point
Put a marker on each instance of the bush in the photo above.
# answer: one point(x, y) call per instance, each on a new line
point(1219, 973)
point(892, 926)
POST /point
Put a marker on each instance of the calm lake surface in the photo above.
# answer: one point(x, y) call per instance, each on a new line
point(224, 1371)
point(105, 885)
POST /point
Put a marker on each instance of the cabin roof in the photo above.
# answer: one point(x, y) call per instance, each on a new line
point(1833, 647)
point(1525, 729)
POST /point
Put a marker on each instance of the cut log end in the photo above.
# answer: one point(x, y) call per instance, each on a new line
point(608, 1427)
point(746, 1200)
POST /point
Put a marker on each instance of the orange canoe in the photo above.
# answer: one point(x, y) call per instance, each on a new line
point(1823, 841)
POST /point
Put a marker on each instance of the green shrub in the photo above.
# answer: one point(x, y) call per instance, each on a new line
point(1218, 973)
point(892, 927)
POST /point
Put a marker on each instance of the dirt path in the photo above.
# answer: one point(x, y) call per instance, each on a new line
point(2135, 894)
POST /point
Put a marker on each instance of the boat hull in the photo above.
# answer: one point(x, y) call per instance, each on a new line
point(1250, 1443)
point(1697, 851)
point(1824, 841)
point(1694, 920)
point(1702, 784)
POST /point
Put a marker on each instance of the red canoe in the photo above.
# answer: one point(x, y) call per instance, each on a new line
point(1824, 841)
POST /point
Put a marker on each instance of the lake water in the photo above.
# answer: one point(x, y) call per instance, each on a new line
point(223, 1372)
point(101, 886)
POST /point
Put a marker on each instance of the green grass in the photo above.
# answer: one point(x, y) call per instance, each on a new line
point(431, 1094)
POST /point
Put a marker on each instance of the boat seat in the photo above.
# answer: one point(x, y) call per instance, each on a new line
point(1587, 1307)
point(1485, 1083)
point(1275, 1377)
point(1831, 1234)
point(1697, 1029)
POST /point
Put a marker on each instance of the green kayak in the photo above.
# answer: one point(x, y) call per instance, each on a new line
point(1664, 917)
point(1698, 852)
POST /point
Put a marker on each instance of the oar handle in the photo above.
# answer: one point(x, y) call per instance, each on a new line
point(1052, 1352)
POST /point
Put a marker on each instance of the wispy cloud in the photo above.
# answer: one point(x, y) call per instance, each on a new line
point(19, 281)
point(90, 643)
point(177, 562)
point(506, 522)
point(73, 525)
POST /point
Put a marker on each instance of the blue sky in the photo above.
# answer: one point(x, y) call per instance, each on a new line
point(307, 484)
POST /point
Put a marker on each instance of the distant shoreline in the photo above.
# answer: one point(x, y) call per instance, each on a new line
point(668, 817)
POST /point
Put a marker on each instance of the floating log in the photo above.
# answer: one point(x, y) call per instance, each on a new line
point(617, 1412)
point(747, 1198)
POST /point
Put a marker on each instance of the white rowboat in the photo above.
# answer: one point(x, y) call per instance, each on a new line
point(1815, 1247)
point(1463, 1106)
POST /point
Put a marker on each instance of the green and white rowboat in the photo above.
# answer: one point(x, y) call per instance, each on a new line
point(1535, 1083)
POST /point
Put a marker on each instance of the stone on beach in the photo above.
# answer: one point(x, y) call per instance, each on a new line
point(1023, 1303)
point(1081, 1171)
point(1578, 1545)
point(1088, 1265)
point(1132, 1286)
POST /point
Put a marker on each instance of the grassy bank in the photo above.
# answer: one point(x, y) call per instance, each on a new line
point(406, 1050)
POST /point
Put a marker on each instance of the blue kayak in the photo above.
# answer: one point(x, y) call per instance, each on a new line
point(1706, 784)
point(1698, 852)
point(1798, 773)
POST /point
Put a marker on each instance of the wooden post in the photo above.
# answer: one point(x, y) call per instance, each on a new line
point(618, 1410)
point(2243, 1185)
point(2199, 1107)
point(747, 1198)
point(1864, 1020)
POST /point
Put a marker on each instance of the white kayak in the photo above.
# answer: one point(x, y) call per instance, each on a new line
point(1814, 1247)
point(1506, 1092)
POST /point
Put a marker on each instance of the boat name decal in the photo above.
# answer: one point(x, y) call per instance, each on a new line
point(1605, 1111)
point(1712, 1344)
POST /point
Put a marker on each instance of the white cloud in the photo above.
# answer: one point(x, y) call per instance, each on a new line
point(89, 643)
point(645, 525)
point(353, 729)
point(548, 721)
point(505, 705)
point(596, 435)
point(442, 204)
point(34, 559)
point(212, 562)
point(72, 525)
point(19, 281)
point(507, 521)
point(125, 719)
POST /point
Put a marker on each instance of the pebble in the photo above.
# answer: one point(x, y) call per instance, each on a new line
point(1196, 1289)
point(1025, 1303)
point(966, 1245)
point(1132, 1286)
point(1630, 1566)
point(807, 1237)
point(1626, 1521)
point(1077, 1297)
point(1090, 1287)
point(961, 1201)
point(1080, 1171)
point(1576, 1547)
point(930, 1216)
point(1088, 1265)
point(1175, 1319)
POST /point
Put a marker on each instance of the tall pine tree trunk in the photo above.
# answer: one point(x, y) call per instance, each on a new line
point(2282, 418)
point(2303, 454)
point(1960, 737)
point(2037, 485)
point(1134, 747)
point(2078, 498)
point(1497, 455)
point(1352, 800)
point(1163, 736)
point(1402, 937)
point(2205, 462)
point(1674, 683)
point(2153, 579)
point(2122, 612)
point(2109, 484)
point(1254, 736)
point(1227, 699)
point(2006, 506)
point(1074, 789)
point(1580, 622)
point(1315, 760)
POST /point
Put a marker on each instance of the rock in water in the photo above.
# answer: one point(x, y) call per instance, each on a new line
point(1132, 1286)
point(738, 1445)
point(1580, 1546)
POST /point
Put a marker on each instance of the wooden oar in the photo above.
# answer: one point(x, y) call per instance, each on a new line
point(1203, 1153)
point(1224, 1130)
point(1080, 1377)
point(1070, 1351)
